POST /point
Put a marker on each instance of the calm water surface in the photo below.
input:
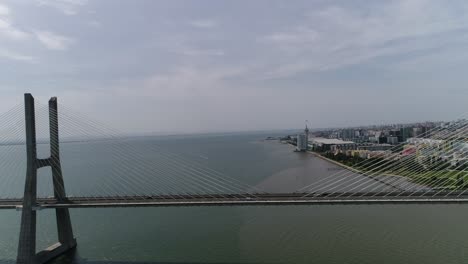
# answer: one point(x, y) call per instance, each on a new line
point(292, 234)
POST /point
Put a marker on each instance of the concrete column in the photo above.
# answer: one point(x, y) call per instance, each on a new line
point(27, 239)
point(64, 227)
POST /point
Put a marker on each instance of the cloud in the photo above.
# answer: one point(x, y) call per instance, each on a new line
point(183, 81)
point(68, 7)
point(192, 51)
point(185, 46)
point(335, 36)
point(10, 32)
point(53, 41)
point(203, 23)
point(192, 98)
point(299, 35)
point(4, 10)
point(440, 60)
point(6, 54)
point(94, 24)
point(7, 29)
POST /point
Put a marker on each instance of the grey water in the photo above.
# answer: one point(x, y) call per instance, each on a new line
point(273, 234)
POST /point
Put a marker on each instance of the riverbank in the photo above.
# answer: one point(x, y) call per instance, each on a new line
point(351, 179)
point(335, 162)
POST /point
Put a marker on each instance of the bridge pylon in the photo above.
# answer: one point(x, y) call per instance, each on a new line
point(27, 240)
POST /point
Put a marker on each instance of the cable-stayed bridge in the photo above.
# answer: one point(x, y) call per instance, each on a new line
point(94, 166)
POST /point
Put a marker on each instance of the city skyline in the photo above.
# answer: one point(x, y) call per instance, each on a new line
point(184, 67)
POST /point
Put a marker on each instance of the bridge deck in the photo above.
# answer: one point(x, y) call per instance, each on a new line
point(243, 200)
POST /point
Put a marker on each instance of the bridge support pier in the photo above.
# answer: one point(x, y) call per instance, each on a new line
point(27, 240)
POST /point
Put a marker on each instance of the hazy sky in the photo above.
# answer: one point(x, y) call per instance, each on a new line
point(174, 66)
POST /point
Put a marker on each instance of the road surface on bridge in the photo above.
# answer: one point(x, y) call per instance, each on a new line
point(242, 200)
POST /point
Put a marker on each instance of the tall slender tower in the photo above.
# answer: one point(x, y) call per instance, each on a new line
point(306, 132)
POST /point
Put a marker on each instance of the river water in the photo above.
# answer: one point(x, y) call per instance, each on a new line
point(286, 234)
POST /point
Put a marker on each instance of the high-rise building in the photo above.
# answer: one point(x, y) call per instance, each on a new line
point(303, 140)
point(392, 140)
point(405, 133)
point(347, 134)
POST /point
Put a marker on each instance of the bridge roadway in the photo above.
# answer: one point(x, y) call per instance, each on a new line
point(244, 200)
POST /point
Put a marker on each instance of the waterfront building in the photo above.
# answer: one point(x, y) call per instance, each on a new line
point(392, 140)
point(347, 134)
point(405, 133)
point(327, 144)
point(382, 140)
point(303, 140)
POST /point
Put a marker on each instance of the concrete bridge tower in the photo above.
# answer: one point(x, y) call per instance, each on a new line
point(27, 240)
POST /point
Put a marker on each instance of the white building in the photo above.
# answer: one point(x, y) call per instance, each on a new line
point(392, 140)
point(301, 142)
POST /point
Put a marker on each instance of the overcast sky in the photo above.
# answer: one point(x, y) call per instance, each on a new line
point(199, 66)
